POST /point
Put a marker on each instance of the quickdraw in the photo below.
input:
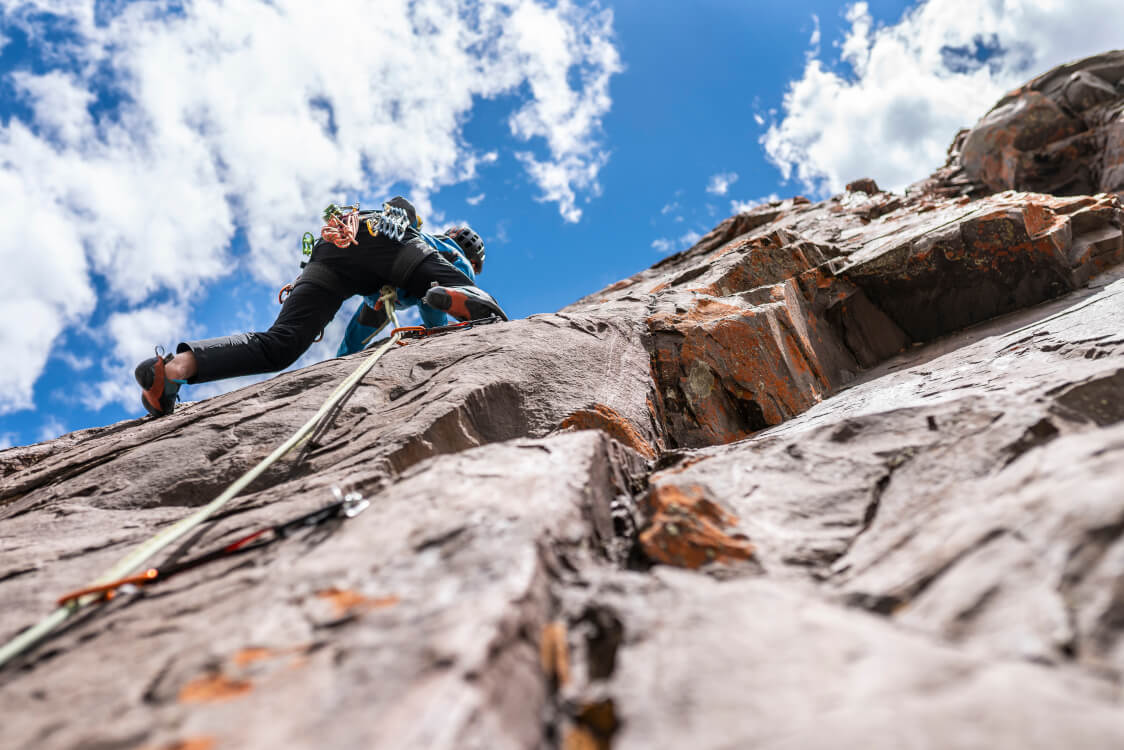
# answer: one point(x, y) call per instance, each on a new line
point(346, 506)
point(393, 221)
point(341, 225)
point(421, 332)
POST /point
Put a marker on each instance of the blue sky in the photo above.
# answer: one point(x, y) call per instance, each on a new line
point(160, 160)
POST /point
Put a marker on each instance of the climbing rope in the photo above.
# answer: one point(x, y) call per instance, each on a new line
point(127, 567)
point(341, 225)
point(421, 332)
point(346, 506)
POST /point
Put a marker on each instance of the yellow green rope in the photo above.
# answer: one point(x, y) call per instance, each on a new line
point(148, 549)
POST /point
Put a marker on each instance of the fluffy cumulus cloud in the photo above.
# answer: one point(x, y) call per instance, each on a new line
point(153, 134)
point(719, 184)
point(891, 103)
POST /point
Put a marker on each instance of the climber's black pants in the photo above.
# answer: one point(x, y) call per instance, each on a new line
point(305, 313)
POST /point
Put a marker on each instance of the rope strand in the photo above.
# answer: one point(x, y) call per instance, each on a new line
point(146, 550)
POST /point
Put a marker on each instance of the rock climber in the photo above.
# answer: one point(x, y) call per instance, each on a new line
point(461, 246)
point(351, 257)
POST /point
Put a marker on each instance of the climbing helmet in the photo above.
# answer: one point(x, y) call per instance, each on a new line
point(470, 242)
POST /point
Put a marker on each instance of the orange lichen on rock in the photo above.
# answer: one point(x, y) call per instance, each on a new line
point(213, 687)
point(766, 260)
point(749, 354)
point(580, 738)
point(595, 725)
point(1040, 220)
point(346, 601)
point(606, 419)
point(724, 371)
point(688, 530)
point(191, 743)
point(554, 653)
point(248, 656)
point(703, 311)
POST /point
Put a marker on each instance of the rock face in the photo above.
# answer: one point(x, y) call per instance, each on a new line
point(842, 475)
point(1061, 133)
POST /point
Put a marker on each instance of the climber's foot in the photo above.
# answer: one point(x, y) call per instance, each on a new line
point(159, 392)
point(464, 302)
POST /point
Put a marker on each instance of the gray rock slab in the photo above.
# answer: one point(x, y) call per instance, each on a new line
point(415, 624)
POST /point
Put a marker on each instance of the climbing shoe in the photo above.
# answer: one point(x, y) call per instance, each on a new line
point(464, 302)
point(159, 392)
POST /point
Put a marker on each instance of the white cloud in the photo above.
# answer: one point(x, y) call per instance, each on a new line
point(668, 208)
point(51, 428)
point(233, 117)
point(814, 40)
point(501, 235)
point(546, 51)
point(8, 439)
point(560, 179)
point(664, 245)
point(474, 200)
point(904, 90)
point(720, 183)
point(132, 337)
point(73, 361)
point(739, 207)
point(758, 119)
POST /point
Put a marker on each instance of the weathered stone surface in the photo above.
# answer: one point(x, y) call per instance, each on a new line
point(416, 624)
point(747, 331)
point(842, 474)
point(751, 663)
point(1060, 134)
point(864, 185)
point(420, 401)
point(965, 494)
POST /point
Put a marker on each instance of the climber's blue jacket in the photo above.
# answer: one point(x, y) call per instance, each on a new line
point(356, 332)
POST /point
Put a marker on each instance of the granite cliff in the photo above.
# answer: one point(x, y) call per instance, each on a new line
point(846, 474)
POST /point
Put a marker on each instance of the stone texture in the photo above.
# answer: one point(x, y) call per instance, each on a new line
point(1060, 134)
point(842, 474)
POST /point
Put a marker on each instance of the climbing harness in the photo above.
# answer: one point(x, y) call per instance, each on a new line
point(341, 224)
point(132, 562)
point(421, 332)
point(346, 506)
